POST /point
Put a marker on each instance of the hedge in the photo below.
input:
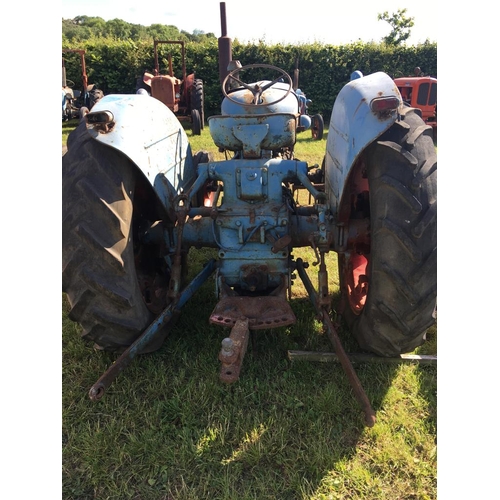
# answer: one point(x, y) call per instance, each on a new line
point(115, 65)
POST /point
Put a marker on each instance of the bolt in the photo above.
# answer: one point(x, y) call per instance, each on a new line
point(227, 347)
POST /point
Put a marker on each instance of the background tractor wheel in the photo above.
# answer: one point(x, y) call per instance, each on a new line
point(198, 100)
point(389, 285)
point(317, 127)
point(95, 95)
point(115, 285)
point(196, 122)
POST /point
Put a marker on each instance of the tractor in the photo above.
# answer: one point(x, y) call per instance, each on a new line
point(136, 199)
point(184, 97)
point(77, 102)
point(420, 92)
point(314, 122)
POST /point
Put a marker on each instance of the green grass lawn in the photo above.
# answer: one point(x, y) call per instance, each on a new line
point(168, 429)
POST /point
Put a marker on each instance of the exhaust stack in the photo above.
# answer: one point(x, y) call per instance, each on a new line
point(225, 49)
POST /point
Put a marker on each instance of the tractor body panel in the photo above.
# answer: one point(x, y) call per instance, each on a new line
point(269, 103)
point(148, 133)
point(253, 128)
point(253, 133)
point(353, 126)
point(252, 226)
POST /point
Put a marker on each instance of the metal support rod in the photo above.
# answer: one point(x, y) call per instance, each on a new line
point(174, 285)
point(359, 392)
point(362, 357)
point(99, 388)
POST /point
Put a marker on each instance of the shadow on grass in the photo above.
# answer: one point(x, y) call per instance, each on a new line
point(169, 429)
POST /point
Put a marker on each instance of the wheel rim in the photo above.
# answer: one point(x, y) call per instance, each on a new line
point(316, 127)
point(314, 130)
point(355, 278)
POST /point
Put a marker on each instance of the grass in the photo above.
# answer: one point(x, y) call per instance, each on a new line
point(168, 429)
point(67, 128)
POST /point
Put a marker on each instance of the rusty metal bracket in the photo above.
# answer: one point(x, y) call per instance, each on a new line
point(233, 351)
point(359, 392)
point(174, 287)
point(262, 312)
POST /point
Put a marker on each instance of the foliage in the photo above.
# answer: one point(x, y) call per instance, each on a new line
point(401, 26)
point(82, 28)
point(116, 64)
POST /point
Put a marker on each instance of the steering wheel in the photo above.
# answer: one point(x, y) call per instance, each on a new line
point(256, 89)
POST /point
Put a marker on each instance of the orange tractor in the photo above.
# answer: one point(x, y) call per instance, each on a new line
point(185, 98)
point(420, 92)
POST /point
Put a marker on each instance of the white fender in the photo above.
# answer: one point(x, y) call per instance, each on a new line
point(353, 126)
point(146, 131)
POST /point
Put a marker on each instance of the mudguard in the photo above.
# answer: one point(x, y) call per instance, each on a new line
point(353, 126)
point(148, 133)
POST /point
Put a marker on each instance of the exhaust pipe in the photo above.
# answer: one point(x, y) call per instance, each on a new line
point(225, 49)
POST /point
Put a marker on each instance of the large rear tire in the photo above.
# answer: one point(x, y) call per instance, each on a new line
point(198, 100)
point(389, 286)
point(115, 285)
point(196, 122)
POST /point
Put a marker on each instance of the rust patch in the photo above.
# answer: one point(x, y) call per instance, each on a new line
point(262, 312)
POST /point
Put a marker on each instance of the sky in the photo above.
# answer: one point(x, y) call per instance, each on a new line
point(272, 22)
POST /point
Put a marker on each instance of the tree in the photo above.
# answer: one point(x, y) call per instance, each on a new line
point(163, 32)
point(401, 27)
point(118, 29)
point(83, 27)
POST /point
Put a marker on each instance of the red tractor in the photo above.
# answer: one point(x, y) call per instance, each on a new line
point(420, 92)
point(185, 98)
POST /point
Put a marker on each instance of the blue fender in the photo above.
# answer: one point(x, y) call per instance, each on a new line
point(148, 133)
point(353, 126)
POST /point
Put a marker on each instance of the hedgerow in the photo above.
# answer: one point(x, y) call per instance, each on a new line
point(114, 65)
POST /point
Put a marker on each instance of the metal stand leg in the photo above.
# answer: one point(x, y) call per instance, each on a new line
point(342, 356)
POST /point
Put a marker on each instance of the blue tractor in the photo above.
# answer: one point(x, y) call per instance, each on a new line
point(136, 198)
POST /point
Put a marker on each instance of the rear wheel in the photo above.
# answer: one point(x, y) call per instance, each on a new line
point(389, 281)
point(317, 127)
point(196, 122)
point(198, 100)
point(95, 95)
point(115, 284)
